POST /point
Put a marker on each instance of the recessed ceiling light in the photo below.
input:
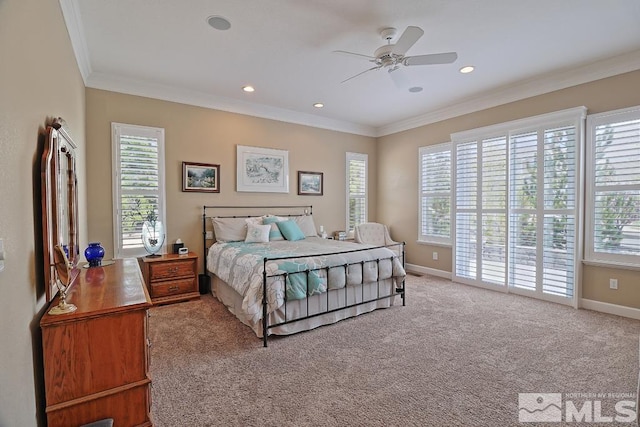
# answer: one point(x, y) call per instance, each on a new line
point(248, 88)
point(415, 89)
point(318, 105)
point(467, 69)
point(219, 22)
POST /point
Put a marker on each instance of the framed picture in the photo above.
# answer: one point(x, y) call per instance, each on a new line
point(262, 170)
point(310, 183)
point(200, 177)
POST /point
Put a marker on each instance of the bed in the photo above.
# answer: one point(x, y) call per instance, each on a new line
point(277, 276)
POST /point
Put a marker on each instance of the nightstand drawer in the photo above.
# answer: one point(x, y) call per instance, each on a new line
point(171, 270)
point(173, 288)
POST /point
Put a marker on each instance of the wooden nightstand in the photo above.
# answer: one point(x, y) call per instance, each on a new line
point(170, 277)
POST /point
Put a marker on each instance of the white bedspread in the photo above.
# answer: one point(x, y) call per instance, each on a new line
point(241, 265)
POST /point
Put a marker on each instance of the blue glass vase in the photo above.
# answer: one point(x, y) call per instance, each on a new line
point(94, 254)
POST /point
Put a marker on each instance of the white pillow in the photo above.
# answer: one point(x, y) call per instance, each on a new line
point(229, 229)
point(232, 229)
point(257, 233)
point(306, 224)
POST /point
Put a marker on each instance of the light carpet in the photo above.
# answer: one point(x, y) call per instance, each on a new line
point(455, 355)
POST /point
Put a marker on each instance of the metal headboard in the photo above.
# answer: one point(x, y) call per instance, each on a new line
point(299, 210)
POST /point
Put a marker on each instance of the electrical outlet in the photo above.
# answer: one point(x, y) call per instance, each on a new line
point(435, 256)
point(613, 283)
point(209, 235)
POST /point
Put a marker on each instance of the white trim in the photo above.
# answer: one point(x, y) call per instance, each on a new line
point(605, 307)
point(526, 89)
point(427, 270)
point(71, 15)
point(360, 157)
point(200, 99)
point(430, 243)
point(526, 124)
point(592, 256)
point(422, 151)
point(611, 264)
point(147, 131)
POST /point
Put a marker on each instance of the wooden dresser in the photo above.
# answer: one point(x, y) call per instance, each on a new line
point(96, 359)
point(171, 277)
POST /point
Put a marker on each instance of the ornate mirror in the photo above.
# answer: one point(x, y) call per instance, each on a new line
point(59, 201)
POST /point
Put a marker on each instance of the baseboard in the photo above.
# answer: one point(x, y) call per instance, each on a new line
point(605, 307)
point(426, 270)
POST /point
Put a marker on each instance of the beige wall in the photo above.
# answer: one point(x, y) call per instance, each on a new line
point(203, 135)
point(398, 173)
point(39, 79)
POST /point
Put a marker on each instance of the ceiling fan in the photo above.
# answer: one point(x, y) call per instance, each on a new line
point(392, 56)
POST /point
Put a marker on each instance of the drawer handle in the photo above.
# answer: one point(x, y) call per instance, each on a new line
point(173, 270)
point(174, 288)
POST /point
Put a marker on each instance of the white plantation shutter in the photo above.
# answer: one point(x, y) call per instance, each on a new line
point(523, 213)
point(559, 210)
point(356, 189)
point(494, 210)
point(530, 243)
point(613, 171)
point(481, 190)
point(466, 177)
point(138, 160)
point(435, 193)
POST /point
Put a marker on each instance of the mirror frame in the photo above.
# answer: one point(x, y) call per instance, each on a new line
point(59, 184)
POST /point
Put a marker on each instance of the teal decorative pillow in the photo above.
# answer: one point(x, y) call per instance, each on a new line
point(290, 230)
point(274, 232)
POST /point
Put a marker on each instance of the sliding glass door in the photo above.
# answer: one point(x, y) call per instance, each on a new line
point(516, 200)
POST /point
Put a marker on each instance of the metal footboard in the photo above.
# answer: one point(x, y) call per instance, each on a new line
point(399, 289)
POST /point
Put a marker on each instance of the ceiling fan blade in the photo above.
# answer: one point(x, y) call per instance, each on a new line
point(399, 78)
point(431, 59)
point(377, 67)
point(344, 52)
point(406, 40)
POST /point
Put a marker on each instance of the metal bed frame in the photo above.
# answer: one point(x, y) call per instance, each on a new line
point(308, 210)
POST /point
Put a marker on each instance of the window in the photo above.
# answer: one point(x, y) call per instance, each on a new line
point(481, 210)
point(356, 190)
point(435, 194)
point(516, 199)
point(613, 182)
point(138, 184)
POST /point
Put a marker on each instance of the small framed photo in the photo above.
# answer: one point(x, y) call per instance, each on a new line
point(310, 183)
point(202, 177)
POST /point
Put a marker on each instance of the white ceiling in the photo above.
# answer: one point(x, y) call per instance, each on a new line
point(284, 48)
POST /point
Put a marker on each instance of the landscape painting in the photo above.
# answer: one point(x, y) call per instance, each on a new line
point(310, 183)
point(200, 177)
point(262, 170)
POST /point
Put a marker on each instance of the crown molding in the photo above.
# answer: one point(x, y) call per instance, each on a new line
point(533, 87)
point(75, 29)
point(173, 94)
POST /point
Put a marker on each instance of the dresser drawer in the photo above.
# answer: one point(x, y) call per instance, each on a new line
point(171, 270)
point(174, 287)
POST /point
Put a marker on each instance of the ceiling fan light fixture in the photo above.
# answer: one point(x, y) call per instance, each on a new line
point(219, 22)
point(318, 105)
point(467, 69)
point(248, 88)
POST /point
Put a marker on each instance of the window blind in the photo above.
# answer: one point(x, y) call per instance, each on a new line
point(615, 176)
point(356, 189)
point(435, 193)
point(138, 184)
